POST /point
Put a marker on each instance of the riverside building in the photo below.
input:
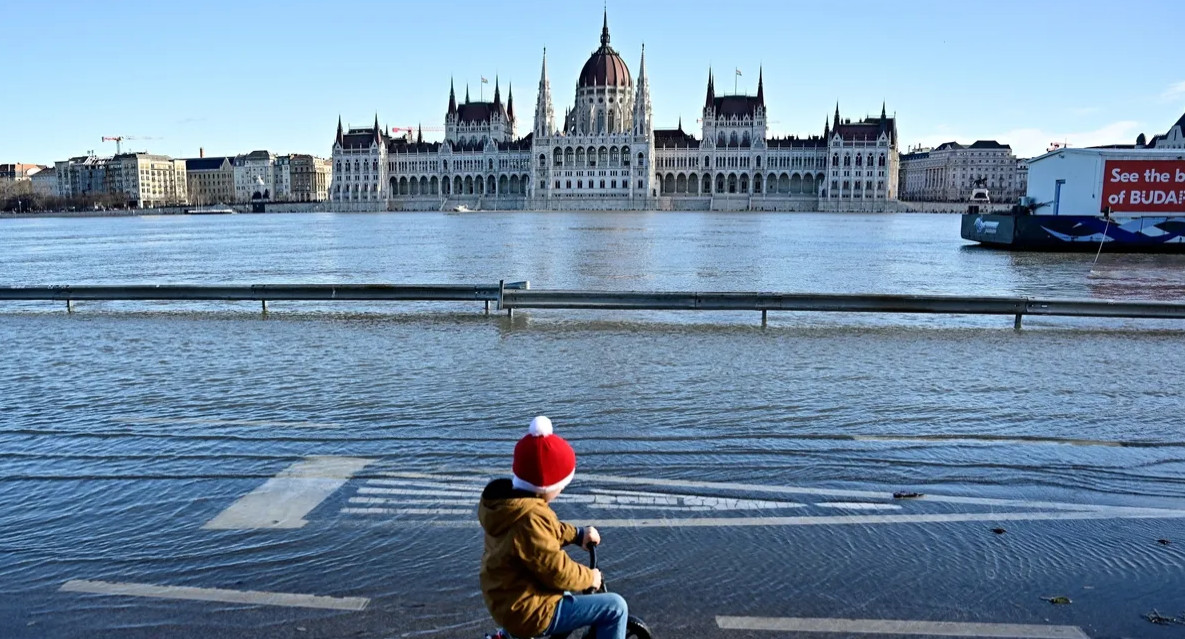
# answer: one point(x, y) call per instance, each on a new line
point(143, 180)
point(604, 153)
point(950, 171)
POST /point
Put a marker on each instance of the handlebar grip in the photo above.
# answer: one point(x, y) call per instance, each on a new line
point(592, 556)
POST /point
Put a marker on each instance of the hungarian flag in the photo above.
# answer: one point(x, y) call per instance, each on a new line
point(739, 72)
point(484, 80)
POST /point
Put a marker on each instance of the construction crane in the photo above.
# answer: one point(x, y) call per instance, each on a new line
point(120, 138)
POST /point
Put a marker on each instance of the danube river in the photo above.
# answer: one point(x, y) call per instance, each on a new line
point(186, 470)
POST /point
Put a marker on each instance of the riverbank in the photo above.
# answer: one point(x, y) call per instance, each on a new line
point(945, 208)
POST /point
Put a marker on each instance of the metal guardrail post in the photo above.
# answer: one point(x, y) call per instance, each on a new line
point(69, 305)
point(1016, 322)
point(264, 304)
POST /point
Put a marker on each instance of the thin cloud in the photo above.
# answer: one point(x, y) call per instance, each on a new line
point(1174, 92)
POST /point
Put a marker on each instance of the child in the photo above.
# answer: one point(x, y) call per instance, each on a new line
point(527, 580)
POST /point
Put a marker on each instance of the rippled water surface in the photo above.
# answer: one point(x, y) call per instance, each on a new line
point(124, 427)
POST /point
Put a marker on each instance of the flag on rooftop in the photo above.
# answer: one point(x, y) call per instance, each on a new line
point(484, 80)
point(739, 72)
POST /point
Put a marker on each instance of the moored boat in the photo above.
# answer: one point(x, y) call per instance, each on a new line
point(1119, 200)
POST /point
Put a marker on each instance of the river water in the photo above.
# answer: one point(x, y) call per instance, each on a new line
point(126, 426)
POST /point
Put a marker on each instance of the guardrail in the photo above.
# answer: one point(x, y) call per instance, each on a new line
point(509, 296)
point(264, 293)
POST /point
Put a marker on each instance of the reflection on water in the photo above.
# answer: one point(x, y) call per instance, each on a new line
point(906, 253)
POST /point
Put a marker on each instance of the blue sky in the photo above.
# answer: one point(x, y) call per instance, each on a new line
point(243, 75)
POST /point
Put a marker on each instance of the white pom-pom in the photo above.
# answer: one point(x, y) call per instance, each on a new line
point(540, 426)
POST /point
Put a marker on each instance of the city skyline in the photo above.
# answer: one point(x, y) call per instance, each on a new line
point(184, 80)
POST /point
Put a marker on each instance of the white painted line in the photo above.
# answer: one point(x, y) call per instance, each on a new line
point(869, 519)
point(859, 494)
point(410, 511)
point(902, 627)
point(432, 485)
point(1072, 511)
point(436, 502)
point(856, 505)
point(369, 490)
point(201, 421)
point(611, 506)
point(284, 500)
point(254, 597)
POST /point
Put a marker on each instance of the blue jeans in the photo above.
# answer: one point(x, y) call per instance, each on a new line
point(606, 612)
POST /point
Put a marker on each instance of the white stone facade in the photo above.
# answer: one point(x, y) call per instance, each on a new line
point(950, 171)
point(255, 176)
point(606, 154)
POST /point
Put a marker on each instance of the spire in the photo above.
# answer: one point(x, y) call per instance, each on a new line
point(510, 101)
point(711, 90)
point(882, 110)
point(420, 133)
point(452, 98)
point(642, 111)
point(340, 139)
point(605, 29)
point(826, 128)
point(378, 136)
point(544, 115)
point(836, 124)
point(680, 123)
point(760, 87)
point(466, 93)
point(497, 93)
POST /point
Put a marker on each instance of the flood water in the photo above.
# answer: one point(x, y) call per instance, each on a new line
point(125, 427)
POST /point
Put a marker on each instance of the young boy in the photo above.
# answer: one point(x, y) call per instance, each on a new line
point(527, 580)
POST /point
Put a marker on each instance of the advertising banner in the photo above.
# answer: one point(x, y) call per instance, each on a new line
point(1144, 186)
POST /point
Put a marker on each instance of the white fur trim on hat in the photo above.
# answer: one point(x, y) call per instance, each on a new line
point(540, 427)
point(522, 484)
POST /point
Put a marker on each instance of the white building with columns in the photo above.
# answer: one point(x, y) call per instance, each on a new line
point(605, 154)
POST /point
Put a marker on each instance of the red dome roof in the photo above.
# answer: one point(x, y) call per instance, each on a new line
point(604, 67)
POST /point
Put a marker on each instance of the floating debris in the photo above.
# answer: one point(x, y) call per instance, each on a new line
point(1157, 618)
point(1163, 542)
point(905, 494)
point(999, 531)
point(1058, 600)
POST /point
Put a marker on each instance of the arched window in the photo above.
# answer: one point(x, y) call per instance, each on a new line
point(835, 160)
point(721, 140)
point(859, 160)
point(641, 160)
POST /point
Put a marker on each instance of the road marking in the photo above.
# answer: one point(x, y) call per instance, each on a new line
point(201, 421)
point(856, 505)
point(433, 502)
point(429, 485)
point(902, 627)
point(255, 597)
point(626, 499)
point(832, 520)
point(409, 511)
point(854, 494)
point(370, 490)
point(284, 500)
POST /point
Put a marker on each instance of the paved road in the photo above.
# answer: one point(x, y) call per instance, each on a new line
point(338, 546)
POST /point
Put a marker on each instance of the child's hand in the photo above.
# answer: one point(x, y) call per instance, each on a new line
point(591, 536)
point(596, 579)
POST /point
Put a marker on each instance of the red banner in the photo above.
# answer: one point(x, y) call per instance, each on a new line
point(1144, 186)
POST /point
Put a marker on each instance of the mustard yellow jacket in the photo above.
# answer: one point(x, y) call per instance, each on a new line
point(524, 569)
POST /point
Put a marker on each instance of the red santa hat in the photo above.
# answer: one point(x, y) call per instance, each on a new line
point(543, 461)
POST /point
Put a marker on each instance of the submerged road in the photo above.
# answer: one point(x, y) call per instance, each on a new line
point(192, 470)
